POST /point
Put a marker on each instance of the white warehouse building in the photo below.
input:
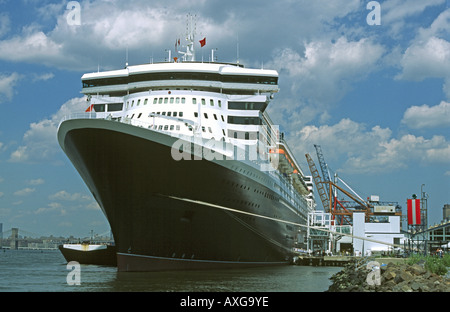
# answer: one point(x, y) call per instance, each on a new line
point(387, 231)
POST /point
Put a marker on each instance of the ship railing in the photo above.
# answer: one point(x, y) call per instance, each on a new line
point(89, 115)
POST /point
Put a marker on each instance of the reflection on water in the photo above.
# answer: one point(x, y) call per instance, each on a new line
point(46, 271)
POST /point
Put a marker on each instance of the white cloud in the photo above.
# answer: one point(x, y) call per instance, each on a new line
point(36, 181)
point(33, 46)
point(107, 29)
point(40, 142)
point(417, 117)
point(7, 84)
point(400, 153)
point(426, 59)
point(397, 11)
point(428, 56)
point(43, 77)
point(320, 77)
point(24, 192)
point(66, 196)
point(371, 151)
point(52, 207)
point(329, 66)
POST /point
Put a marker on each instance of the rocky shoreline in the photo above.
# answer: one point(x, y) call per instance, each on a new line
point(375, 276)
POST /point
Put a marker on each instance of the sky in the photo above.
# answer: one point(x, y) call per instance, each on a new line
point(368, 81)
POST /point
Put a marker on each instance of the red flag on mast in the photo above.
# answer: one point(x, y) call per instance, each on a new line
point(203, 42)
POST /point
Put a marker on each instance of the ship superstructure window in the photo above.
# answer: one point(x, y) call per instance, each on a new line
point(112, 107)
point(241, 120)
point(115, 107)
point(243, 135)
point(247, 105)
point(99, 108)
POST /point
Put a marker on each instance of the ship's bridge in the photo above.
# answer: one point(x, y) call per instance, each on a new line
point(214, 77)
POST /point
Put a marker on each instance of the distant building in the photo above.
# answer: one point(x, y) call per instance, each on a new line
point(446, 212)
point(14, 241)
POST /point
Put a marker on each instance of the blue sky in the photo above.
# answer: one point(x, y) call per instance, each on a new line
point(375, 97)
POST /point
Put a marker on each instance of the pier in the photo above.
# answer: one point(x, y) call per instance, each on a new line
point(341, 261)
point(324, 260)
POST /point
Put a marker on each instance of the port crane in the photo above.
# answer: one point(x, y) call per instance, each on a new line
point(341, 210)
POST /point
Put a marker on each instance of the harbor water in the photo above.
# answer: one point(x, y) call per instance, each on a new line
point(47, 271)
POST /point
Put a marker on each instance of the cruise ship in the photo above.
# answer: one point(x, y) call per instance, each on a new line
point(187, 166)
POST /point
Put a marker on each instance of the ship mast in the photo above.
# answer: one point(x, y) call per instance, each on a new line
point(189, 55)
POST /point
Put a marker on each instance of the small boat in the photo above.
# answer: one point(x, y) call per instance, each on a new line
point(87, 253)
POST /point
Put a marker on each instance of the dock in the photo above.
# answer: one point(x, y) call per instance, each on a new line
point(324, 260)
point(340, 260)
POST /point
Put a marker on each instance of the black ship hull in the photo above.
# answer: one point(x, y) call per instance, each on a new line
point(167, 214)
point(105, 256)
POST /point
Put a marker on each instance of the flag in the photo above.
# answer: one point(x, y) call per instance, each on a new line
point(203, 42)
point(413, 207)
point(90, 108)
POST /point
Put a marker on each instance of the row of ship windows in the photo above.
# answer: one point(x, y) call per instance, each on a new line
point(177, 114)
point(113, 107)
point(231, 119)
point(178, 128)
point(169, 114)
point(255, 190)
point(180, 76)
point(173, 100)
point(231, 133)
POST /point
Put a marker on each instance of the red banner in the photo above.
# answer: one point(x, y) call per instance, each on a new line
point(413, 206)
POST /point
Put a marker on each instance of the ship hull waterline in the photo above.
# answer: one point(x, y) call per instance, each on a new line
point(165, 214)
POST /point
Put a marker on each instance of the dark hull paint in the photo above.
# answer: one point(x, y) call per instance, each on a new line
point(134, 179)
point(100, 257)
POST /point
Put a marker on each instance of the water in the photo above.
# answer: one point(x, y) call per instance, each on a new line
point(46, 271)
